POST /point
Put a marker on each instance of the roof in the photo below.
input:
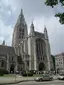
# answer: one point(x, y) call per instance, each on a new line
point(39, 34)
point(4, 50)
point(59, 54)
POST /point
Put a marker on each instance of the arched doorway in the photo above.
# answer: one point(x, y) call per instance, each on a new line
point(12, 68)
point(2, 63)
point(41, 66)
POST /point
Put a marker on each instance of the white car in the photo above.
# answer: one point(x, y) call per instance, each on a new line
point(44, 77)
point(61, 77)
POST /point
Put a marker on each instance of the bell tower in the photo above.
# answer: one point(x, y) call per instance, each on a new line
point(32, 29)
point(45, 33)
point(20, 31)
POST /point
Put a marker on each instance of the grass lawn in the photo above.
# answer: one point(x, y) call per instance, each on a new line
point(35, 75)
point(8, 75)
point(12, 75)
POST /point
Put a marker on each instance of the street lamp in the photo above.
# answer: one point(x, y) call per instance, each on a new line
point(15, 77)
point(56, 68)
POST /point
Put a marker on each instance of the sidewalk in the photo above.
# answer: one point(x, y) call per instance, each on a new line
point(17, 79)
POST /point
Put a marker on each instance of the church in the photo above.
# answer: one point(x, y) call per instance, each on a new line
point(33, 49)
point(28, 51)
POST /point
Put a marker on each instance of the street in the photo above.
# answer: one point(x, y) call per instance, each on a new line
point(55, 82)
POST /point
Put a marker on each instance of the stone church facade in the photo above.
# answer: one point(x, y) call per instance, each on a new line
point(8, 58)
point(33, 50)
point(28, 51)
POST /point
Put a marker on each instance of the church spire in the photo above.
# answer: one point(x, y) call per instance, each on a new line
point(45, 33)
point(32, 28)
point(21, 19)
point(32, 25)
point(21, 16)
point(3, 43)
point(21, 11)
point(20, 29)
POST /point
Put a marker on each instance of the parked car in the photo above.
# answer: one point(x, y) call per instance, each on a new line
point(17, 72)
point(44, 77)
point(61, 77)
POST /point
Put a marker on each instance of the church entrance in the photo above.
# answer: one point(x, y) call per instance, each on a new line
point(41, 66)
point(12, 68)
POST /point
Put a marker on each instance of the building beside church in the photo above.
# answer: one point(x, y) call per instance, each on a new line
point(33, 49)
point(59, 62)
point(8, 58)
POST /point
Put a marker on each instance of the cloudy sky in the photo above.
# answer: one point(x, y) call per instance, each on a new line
point(33, 10)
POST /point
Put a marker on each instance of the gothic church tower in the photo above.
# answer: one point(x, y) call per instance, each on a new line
point(20, 31)
point(34, 49)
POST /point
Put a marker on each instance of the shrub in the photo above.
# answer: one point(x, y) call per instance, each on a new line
point(33, 71)
point(27, 73)
point(3, 71)
point(24, 73)
point(1, 74)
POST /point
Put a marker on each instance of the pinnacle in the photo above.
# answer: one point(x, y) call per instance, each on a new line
point(32, 25)
point(45, 28)
point(21, 17)
point(21, 13)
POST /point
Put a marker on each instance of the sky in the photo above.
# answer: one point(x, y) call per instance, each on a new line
point(39, 13)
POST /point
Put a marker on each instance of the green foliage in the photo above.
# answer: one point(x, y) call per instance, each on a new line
point(53, 58)
point(61, 17)
point(1, 74)
point(52, 3)
point(3, 71)
point(24, 73)
point(62, 2)
point(33, 71)
point(27, 73)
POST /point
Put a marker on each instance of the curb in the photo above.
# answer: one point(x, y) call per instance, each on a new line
point(15, 82)
point(20, 81)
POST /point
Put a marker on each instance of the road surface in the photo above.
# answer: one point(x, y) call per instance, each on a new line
point(55, 82)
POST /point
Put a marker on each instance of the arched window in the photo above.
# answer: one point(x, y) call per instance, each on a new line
point(2, 64)
point(12, 58)
point(21, 33)
point(20, 29)
point(42, 66)
point(39, 48)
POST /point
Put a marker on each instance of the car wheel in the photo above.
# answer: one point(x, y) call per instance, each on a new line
point(51, 79)
point(40, 79)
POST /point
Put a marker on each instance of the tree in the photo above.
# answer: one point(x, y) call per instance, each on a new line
point(53, 3)
point(53, 59)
